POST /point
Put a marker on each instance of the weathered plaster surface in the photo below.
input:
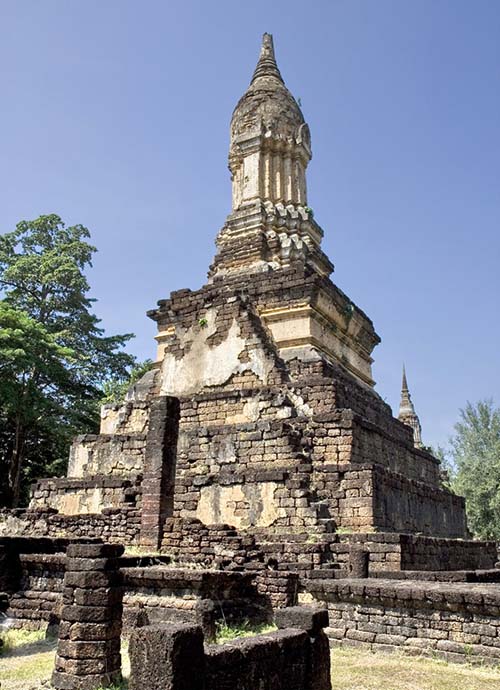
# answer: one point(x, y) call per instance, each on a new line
point(124, 419)
point(106, 455)
point(206, 365)
point(240, 505)
point(81, 502)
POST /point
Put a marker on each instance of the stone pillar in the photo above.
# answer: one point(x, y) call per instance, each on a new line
point(358, 562)
point(88, 652)
point(159, 469)
point(312, 619)
point(167, 657)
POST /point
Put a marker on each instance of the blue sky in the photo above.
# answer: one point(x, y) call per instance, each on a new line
point(115, 114)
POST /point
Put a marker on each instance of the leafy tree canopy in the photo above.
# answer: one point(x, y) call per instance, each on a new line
point(55, 359)
point(474, 466)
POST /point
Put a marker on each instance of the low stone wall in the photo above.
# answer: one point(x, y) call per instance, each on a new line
point(36, 602)
point(32, 570)
point(31, 575)
point(203, 597)
point(114, 525)
point(296, 657)
point(427, 553)
point(394, 551)
point(459, 622)
point(328, 555)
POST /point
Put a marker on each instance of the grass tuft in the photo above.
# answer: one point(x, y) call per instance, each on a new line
point(135, 550)
point(13, 639)
point(226, 633)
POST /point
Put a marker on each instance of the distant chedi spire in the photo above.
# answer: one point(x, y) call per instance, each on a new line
point(407, 413)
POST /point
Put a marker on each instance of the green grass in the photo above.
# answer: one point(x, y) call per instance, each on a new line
point(359, 669)
point(12, 639)
point(226, 633)
point(134, 550)
point(29, 660)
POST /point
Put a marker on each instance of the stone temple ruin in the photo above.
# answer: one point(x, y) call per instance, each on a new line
point(255, 466)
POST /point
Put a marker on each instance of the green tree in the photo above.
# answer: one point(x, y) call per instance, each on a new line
point(475, 466)
point(55, 359)
point(115, 390)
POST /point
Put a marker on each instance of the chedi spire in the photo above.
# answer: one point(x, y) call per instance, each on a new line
point(270, 146)
point(270, 224)
point(407, 413)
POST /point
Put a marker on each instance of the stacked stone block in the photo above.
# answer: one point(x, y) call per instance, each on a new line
point(88, 653)
point(167, 657)
point(82, 495)
point(280, 588)
point(173, 657)
point(189, 541)
point(313, 620)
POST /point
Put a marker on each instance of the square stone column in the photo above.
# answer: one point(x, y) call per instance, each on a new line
point(88, 652)
point(159, 469)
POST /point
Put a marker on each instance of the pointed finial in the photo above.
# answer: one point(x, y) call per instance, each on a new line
point(266, 66)
point(404, 386)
